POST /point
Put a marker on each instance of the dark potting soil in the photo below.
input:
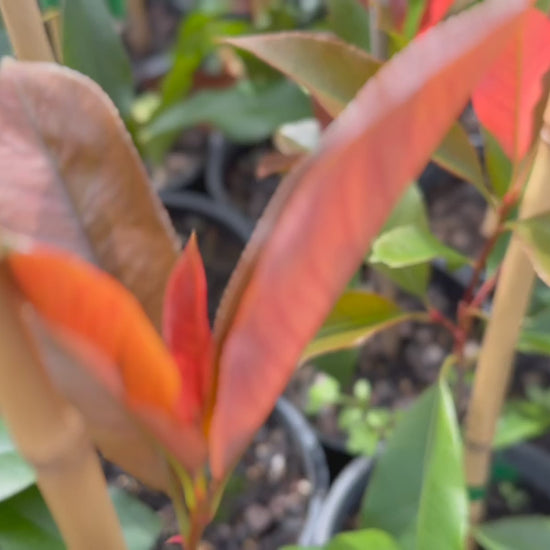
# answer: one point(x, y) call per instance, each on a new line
point(265, 503)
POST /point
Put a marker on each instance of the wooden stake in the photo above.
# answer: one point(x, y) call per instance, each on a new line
point(510, 304)
point(51, 435)
point(26, 31)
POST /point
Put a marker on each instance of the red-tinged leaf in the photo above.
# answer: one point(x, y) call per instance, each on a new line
point(72, 178)
point(319, 225)
point(186, 328)
point(436, 10)
point(330, 69)
point(114, 358)
point(506, 98)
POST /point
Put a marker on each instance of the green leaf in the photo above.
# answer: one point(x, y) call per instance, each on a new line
point(498, 164)
point(415, 12)
point(410, 210)
point(357, 315)
point(349, 20)
point(411, 245)
point(331, 70)
point(457, 155)
point(196, 40)
point(417, 491)
point(325, 391)
point(519, 421)
point(243, 113)
point(340, 364)
point(25, 522)
point(543, 5)
point(534, 234)
point(92, 46)
point(535, 333)
point(15, 474)
point(516, 533)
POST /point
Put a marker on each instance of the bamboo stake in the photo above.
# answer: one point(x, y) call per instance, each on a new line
point(139, 31)
point(27, 34)
point(51, 435)
point(511, 301)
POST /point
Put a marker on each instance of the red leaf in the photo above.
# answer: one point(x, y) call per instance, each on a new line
point(435, 12)
point(186, 328)
point(319, 226)
point(506, 98)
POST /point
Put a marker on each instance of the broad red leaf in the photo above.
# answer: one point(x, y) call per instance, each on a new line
point(323, 217)
point(435, 12)
point(506, 98)
point(186, 328)
point(107, 358)
point(72, 178)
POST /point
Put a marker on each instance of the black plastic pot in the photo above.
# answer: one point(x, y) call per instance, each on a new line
point(314, 462)
point(343, 501)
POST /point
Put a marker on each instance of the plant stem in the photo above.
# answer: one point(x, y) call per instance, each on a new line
point(51, 435)
point(510, 304)
point(26, 31)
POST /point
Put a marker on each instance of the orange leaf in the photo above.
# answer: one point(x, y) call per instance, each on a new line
point(111, 351)
point(320, 223)
point(186, 328)
point(506, 98)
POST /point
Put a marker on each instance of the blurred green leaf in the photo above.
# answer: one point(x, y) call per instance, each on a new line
point(411, 245)
point(367, 539)
point(497, 163)
point(357, 315)
point(349, 20)
point(543, 5)
point(92, 46)
point(515, 533)
point(415, 12)
point(244, 113)
point(417, 491)
point(339, 364)
point(25, 522)
point(196, 40)
point(521, 420)
point(534, 233)
point(535, 334)
point(457, 155)
point(325, 391)
point(15, 474)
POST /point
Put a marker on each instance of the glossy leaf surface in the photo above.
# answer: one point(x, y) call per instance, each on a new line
point(15, 474)
point(320, 223)
point(358, 540)
point(330, 69)
point(421, 500)
point(186, 329)
point(506, 97)
point(25, 522)
point(80, 186)
point(357, 316)
point(531, 532)
point(534, 233)
point(91, 45)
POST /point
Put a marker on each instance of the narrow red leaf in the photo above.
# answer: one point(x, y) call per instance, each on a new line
point(506, 98)
point(186, 328)
point(436, 10)
point(318, 227)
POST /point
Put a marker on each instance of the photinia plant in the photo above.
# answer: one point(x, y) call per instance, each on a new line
point(179, 413)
